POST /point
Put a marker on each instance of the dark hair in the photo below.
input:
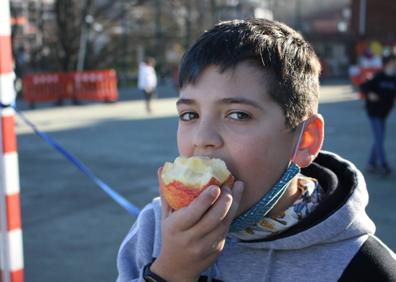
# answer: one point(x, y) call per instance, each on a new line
point(272, 46)
point(150, 61)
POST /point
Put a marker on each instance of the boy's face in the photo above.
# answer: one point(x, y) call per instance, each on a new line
point(231, 116)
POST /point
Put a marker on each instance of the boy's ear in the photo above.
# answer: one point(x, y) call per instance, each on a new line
point(311, 141)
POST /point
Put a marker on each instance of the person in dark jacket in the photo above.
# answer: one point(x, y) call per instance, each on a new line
point(380, 93)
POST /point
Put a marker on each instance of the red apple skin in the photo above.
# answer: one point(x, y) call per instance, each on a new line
point(178, 195)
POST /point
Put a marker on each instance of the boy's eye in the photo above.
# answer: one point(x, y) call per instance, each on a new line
point(239, 116)
point(187, 116)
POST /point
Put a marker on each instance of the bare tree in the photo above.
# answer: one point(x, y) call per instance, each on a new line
point(117, 32)
point(70, 16)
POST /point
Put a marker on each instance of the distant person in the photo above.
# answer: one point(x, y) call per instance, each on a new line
point(147, 81)
point(249, 95)
point(20, 62)
point(380, 93)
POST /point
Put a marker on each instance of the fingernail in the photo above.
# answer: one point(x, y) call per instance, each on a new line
point(213, 190)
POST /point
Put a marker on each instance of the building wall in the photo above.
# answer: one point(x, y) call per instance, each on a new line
point(380, 21)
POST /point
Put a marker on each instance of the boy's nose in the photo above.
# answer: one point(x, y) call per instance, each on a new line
point(207, 136)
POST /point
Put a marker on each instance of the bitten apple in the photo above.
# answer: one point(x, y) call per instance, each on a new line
point(184, 179)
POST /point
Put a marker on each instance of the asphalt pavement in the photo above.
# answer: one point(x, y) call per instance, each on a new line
point(72, 229)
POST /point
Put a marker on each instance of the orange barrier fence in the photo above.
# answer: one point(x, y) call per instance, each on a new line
point(43, 87)
point(97, 85)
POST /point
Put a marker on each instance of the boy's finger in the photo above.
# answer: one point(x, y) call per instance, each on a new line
point(224, 208)
point(214, 217)
point(190, 215)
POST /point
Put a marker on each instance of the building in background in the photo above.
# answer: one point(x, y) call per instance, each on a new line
point(118, 34)
point(329, 32)
point(373, 27)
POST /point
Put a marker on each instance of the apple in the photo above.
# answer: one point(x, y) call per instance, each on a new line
point(184, 179)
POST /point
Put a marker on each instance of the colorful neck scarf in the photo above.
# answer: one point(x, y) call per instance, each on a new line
point(310, 196)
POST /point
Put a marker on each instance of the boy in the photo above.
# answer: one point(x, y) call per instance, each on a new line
point(380, 93)
point(249, 95)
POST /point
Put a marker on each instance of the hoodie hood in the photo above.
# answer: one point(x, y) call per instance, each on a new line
point(340, 216)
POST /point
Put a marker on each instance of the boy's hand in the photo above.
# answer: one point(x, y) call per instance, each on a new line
point(194, 236)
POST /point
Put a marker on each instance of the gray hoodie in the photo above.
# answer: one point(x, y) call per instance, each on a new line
point(325, 246)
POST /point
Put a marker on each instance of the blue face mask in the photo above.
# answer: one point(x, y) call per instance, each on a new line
point(269, 200)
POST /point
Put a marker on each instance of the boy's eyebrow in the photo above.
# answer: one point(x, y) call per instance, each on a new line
point(241, 100)
point(185, 101)
point(233, 100)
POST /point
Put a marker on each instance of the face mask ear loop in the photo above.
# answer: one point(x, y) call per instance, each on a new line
point(298, 141)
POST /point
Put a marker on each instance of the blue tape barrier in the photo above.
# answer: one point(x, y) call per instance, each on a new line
point(133, 210)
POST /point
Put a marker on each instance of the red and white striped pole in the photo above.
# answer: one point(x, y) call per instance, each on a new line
point(11, 250)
